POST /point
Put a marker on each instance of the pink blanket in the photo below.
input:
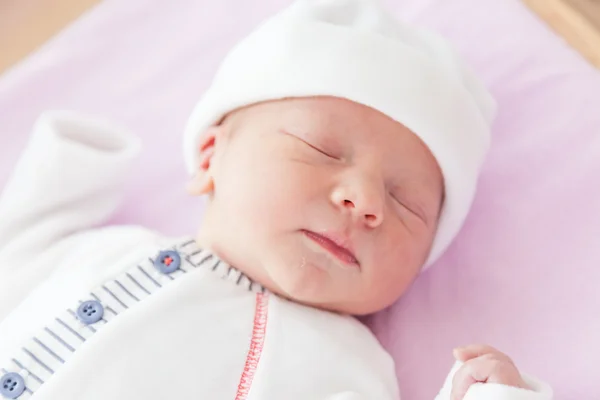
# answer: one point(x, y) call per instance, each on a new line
point(524, 273)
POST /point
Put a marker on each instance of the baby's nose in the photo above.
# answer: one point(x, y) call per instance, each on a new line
point(364, 203)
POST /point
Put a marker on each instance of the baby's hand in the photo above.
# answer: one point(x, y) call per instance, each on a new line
point(486, 365)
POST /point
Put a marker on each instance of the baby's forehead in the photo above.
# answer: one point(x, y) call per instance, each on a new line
point(324, 111)
point(331, 119)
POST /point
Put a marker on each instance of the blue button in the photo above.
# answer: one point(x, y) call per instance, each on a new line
point(90, 312)
point(168, 261)
point(12, 385)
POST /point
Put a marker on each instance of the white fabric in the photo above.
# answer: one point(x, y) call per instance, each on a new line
point(353, 49)
point(189, 339)
point(492, 391)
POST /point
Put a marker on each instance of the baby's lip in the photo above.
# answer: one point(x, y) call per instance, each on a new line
point(337, 245)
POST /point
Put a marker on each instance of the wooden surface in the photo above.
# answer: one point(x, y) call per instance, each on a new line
point(578, 21)
point(27, 24)
point(590, 9)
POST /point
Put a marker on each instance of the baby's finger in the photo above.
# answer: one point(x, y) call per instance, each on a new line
point(477, 350)
point(473, 371)
point(461, 383)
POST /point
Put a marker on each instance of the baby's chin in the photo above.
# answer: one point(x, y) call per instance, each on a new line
point(315, 286)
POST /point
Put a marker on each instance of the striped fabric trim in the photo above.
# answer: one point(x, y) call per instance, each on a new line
point(44, 354)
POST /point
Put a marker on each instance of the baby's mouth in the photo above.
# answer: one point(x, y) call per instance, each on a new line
point(337, 250)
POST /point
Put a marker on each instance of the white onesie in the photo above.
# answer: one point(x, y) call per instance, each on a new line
point(125, 313)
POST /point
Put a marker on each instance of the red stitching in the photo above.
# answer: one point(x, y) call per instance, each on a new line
point(257, 342)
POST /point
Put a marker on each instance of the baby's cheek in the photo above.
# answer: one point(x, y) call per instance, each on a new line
point(394, 269)
point(279, 193)
point(262, 209)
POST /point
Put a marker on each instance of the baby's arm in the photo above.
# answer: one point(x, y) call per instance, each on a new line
point(484, 373)
point(68, 179)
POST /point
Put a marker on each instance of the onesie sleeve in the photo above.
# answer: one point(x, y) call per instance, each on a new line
point(493, 391)
point(68, 179)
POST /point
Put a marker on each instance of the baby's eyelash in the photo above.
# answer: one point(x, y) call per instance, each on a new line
point(396, 199)
point(320, 150)
point(410, 209)
point(316, 148)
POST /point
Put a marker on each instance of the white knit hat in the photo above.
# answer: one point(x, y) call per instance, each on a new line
point(354, 49)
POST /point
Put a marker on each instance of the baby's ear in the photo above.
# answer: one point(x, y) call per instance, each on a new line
point(202, 182)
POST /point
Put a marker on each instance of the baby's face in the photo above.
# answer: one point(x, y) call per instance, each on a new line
point(322, 200)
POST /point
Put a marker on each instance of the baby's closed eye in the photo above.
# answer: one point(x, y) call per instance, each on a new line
point(316, 147)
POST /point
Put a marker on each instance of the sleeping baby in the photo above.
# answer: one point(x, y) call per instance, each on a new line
point(339, 152)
